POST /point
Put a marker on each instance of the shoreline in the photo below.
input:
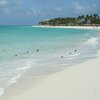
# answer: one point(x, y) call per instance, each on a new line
point(26, 87)
point(72, 27)
point(81, 81)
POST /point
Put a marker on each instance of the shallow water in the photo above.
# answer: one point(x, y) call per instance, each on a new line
point(57, 49)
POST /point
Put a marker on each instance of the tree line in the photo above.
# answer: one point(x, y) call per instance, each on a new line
point(83, 20)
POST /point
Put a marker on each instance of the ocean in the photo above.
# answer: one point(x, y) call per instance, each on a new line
point(40, 51)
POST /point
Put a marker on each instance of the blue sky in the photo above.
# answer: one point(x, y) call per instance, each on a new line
point(29, 12)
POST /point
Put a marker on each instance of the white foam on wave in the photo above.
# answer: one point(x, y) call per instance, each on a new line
point(14, 79)
point(22, 69)
point(18, 73)
point(27, 66)
point(92, 41)
point(76, 54)
point(1, 91)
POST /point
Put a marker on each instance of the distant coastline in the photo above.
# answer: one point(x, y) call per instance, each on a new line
point(80, 22)
point(91, 21)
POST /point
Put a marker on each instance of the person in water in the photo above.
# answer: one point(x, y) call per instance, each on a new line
point(27, 52)
point(16, 55)
point(4, 50)
point(75, 50)
point(37, 50)
point(61, 56)
point(70, 53)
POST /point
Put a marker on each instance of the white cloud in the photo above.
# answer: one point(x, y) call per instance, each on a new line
point(29, 13)
point(17, 2)
point(79, 8)
point(3, 3)
point(32, 12)
point(6, 10)
point(58, 9)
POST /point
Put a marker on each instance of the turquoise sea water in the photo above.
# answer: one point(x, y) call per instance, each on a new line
point(56, 50)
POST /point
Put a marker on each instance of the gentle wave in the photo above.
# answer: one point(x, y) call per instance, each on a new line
point(14, 79)
point(1, 91)
point(20, 71)
point(92, 41)
point(76, 54)
point(28, 65)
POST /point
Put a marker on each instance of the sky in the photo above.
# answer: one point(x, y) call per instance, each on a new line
point(30, 12)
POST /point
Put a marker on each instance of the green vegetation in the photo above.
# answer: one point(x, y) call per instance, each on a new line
point(88, 20)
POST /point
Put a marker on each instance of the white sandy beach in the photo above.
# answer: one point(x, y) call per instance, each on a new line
point(73, 27)
point(79, 82)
